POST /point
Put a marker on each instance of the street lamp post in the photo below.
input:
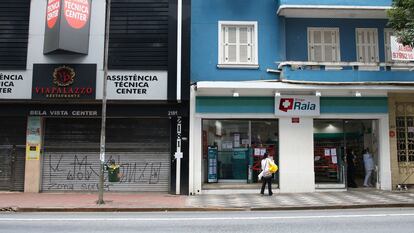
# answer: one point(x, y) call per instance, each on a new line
point(103, 121)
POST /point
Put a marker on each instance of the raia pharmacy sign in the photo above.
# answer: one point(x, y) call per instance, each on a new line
point(297, 106)
point(137, 85)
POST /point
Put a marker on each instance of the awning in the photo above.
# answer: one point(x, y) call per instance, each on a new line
point(333, 11)
point(270, 88)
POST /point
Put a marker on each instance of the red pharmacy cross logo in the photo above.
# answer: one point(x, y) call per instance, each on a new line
point(286, 104)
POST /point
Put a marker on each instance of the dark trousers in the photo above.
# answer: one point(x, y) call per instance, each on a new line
point(267, 180)
point(351, 178)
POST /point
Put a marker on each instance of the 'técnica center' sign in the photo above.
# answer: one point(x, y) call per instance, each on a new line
point(137, 85)
point(297, 106)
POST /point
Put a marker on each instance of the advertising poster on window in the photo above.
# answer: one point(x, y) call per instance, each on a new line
point(33, 138)
point(399, 52)
point(212, 164)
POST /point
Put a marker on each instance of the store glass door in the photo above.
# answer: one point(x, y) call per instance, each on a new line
point(339, 146)
point(329, 148)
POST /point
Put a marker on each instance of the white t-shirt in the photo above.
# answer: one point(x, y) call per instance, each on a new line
point(368, 161)
point(265, 166)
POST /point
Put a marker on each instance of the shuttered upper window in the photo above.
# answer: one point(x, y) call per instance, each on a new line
point(388, 32)
point(237, 44)
point(138, 37)
point(367, 45)
point(14, 33)
point(323, 45)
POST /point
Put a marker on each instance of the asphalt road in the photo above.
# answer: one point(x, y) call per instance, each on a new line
point(361, 221)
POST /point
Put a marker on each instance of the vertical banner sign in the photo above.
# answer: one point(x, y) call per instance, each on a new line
point(212, 164)
point(67, 26)
point(399, 52)
point(33, 138)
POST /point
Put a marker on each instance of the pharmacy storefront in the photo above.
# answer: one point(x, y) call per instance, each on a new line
point(308, 135)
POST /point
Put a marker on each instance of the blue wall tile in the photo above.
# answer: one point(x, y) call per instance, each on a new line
point(204, 37)
point(296, 34)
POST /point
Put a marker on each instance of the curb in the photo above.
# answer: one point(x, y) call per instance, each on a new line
point(201, 209)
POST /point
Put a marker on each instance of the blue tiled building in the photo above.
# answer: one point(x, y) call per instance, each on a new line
point(258, 67)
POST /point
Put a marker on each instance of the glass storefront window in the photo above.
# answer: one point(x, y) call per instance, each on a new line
point(239, 145)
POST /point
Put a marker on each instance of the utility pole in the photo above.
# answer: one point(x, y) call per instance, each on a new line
point(103, 121)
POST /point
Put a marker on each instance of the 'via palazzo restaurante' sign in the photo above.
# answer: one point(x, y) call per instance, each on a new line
point(64, 81)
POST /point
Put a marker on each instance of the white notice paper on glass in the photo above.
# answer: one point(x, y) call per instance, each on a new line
point(257, 151)
point(333, 151)
point(327, 152)
point(236, 140)
point(334, 159)
point(262, 151)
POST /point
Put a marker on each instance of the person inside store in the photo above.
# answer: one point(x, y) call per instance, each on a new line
point(266, 174)
point(369, 167)
point(351, 162)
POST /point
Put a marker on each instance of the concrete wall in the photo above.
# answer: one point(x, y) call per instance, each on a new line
point(296, 156)
point(96, 41)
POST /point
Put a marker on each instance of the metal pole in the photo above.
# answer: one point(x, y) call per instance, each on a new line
point(178, 153)
point(103, 122)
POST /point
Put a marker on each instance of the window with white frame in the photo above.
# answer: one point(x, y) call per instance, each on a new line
point(367, 45)
point(388, 32)
point(323, 45)
point(238, 44)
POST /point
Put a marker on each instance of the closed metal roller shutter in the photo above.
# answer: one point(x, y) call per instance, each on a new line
point(14, 33)
point(12, 153)
point(139, 146)
point(139, 35)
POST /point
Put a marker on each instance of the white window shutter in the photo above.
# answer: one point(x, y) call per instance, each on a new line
point(238, 44)
point(367, 45)
point(323, 44)
point(387, 44)
point(231, 55)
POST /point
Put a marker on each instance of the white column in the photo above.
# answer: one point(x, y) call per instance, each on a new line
point(195, 168)
point(296, 156)
point(384, 154)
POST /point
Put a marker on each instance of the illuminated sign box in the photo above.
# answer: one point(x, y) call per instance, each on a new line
point(67, 26)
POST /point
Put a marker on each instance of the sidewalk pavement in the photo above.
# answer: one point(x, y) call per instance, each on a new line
point(80, 202)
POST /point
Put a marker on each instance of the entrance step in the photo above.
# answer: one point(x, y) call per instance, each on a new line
point(235, 188)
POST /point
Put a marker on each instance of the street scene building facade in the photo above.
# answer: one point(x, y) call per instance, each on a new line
point(306, 81)
point(52, 72)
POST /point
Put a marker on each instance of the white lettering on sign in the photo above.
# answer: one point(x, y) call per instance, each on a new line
point(52, 13)
point(148, 85)
point(76, 13)
point(399, 52)
point(297, 106)
point(63, 113)
point(14, 86)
